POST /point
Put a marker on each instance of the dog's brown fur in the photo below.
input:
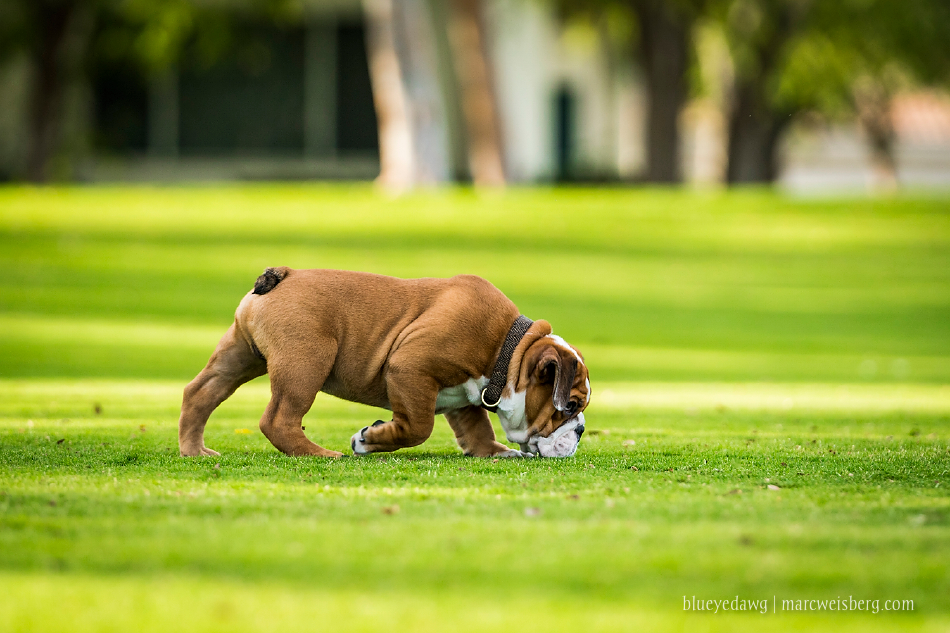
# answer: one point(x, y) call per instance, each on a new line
point(376, 340)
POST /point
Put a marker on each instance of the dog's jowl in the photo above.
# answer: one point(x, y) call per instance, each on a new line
point(417, 347)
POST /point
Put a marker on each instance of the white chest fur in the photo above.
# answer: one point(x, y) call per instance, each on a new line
point(511, 408)
point(511, 414)
point(460, 396)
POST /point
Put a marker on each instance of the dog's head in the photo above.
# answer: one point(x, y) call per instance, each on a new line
point(542, 407)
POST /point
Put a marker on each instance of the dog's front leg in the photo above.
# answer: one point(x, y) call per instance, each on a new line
point(475, 435)
point(412, 398)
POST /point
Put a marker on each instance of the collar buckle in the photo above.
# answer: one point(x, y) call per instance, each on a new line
point(491, 407)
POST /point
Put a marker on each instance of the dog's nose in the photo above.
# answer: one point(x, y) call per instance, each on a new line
point(579, 429)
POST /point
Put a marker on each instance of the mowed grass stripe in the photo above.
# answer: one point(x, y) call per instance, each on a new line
point(48, 346)
point(751, 221)
point(750, 272)
point(65, 397)
point(192, 604)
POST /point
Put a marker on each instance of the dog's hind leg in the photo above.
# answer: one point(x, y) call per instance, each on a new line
point(294, 384)
point(232, 364)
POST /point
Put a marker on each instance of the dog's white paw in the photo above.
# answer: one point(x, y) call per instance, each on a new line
point(512, 453)
point(358, 442)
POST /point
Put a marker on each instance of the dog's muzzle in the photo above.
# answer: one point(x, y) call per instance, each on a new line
point(562, 443)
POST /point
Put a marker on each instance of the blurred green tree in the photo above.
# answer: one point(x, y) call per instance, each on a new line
point(61, 40)
point(54, 35)
point(834, 57)
point(60, 37)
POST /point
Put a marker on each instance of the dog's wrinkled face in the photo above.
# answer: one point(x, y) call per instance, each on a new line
point(562, 443)
point(545, 414)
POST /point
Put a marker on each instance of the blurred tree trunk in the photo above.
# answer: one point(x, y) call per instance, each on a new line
point(873, 103)
point(754, 131)
point(403, 70)
point(479, 106)
point(396, 161)
point(51, 21)
point(416, 47)
point(665, 36)
point(756, 123)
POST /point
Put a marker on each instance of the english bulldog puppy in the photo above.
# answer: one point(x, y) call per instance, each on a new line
point(417, 347)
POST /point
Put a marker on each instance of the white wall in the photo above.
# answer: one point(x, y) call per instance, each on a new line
point(533, 57)
point(522, 40)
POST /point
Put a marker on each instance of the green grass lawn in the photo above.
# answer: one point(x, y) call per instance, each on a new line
point(770, 418)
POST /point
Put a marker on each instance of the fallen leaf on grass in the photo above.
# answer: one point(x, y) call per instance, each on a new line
point(773, 487)
point(393, 509)
point(242, 431)
point(532, 512)
point(629, 442)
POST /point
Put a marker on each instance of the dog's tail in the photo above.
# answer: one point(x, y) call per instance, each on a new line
point(269, 280)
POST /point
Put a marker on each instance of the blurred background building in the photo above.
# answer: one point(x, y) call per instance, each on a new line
point(813, 95)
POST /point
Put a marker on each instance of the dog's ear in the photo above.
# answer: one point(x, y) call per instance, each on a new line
point(554, 367)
